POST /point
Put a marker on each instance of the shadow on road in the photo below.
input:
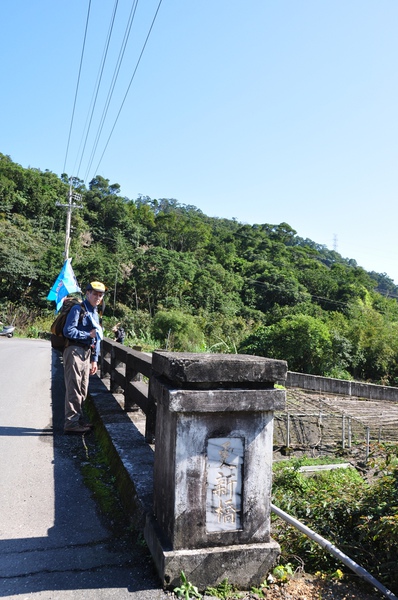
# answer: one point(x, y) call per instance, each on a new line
point(17, 431)
point(81, 550)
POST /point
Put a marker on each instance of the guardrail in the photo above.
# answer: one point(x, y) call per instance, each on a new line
point(129, 370)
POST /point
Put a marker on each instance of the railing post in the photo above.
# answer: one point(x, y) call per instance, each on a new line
point(104, 354)
point(150, 423)
point(131, 375)
point(213, 467)
point(101, 360)
point(114, 387)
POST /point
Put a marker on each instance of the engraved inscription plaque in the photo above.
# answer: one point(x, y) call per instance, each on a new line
point(224, 484)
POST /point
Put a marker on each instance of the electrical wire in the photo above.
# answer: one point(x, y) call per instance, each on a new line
point(99, 79)
point(277, 287)
point(77, 84)
point(86, 130)
point(128, 87)
point(113, 83)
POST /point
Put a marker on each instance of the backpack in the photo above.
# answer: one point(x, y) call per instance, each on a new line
point(120, 335)
point(57, 338)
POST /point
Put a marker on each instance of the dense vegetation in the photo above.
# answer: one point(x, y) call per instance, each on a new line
point(182, 280)
point(359, 515)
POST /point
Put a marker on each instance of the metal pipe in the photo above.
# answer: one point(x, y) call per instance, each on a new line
point(367, 442)
point(343, 433)
point(360, 571)
point(349, 432)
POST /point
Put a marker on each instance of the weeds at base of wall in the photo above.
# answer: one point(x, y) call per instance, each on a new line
point(227, 591)
point(100, 477)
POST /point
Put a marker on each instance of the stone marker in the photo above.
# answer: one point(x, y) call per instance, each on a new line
point(213, 467)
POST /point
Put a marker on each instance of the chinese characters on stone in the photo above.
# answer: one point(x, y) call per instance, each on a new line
point(224, 484)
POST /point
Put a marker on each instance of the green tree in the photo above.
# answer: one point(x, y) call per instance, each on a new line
point(303, 341)
point(161, 278)
point(271, 286)
point(375, 340)
point(180, 231)
point(20, 249)
point(216, 290)
point(29, 192)
point(178, 331)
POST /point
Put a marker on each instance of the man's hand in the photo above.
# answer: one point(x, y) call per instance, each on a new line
point(94, 368)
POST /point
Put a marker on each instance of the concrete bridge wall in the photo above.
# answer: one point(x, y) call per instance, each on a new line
point(210, 420)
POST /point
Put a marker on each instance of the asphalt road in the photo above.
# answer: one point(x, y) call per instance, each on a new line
point(54, 542)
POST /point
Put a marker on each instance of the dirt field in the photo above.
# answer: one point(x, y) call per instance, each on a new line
point(309, 587)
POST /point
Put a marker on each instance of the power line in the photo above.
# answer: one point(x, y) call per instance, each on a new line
point(128, 87)
point(90, 115)
point(99, 78)
point(272, 286)
point(113, 83)
point(78, 81)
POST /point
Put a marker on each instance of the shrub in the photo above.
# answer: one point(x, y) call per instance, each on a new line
point(358, 517)
point(177, 331)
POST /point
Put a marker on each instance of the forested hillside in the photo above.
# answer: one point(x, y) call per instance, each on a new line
point(182, 280)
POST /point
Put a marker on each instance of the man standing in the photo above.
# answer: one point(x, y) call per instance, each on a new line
point(119, 333)
point(84, 333)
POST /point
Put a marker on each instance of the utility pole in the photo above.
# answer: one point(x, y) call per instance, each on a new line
point(69, 207)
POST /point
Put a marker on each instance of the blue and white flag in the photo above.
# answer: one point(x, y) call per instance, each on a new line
point(66, 283)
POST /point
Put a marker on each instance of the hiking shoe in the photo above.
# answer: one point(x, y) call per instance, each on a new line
point(77, 429)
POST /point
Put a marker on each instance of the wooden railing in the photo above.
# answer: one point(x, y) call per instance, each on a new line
point(129, 370)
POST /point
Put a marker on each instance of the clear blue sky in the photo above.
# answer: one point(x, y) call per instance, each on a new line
point(266, 111)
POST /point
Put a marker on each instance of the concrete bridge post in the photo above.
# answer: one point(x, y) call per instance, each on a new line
point(213, 467)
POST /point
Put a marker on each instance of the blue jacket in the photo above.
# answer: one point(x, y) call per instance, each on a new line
point(79, 329)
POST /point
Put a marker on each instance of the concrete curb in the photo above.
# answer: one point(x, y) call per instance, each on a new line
point(130, 456)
